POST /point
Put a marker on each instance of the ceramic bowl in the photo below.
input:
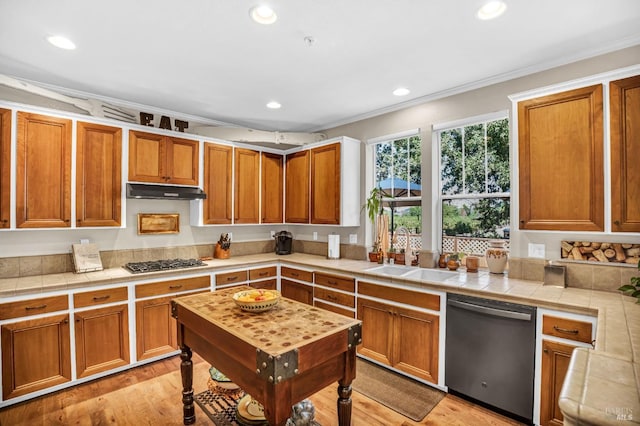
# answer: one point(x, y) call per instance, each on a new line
point(256, 300)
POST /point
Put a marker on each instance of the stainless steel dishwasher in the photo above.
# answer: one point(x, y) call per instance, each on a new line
point(489, 353)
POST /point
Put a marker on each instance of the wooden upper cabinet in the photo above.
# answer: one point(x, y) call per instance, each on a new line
point(43, 172)
point(98, 175)
point(297, 187)
point(272, 187)
point(5, 167)
point(162, 159)
point(625, 152)
point(247, 186)
point(325, 184)
point(560, 145)
point(217, 183)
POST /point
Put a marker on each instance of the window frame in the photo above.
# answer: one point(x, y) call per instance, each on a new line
point(437, 163)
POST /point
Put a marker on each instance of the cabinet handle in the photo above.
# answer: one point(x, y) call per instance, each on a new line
point(565, 330)
point(295, 274)
point(330, 297)
point(546, 351)
point(173, 287)
point(262, 274)
point(616, 222)
point(98, 298)
point(33, 308)
point(332, 282)
point(235, 277)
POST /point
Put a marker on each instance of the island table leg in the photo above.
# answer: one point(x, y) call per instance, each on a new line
point(344, 388)
point(186, 371)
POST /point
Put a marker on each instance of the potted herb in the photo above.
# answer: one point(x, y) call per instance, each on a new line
point(400, 257)
point(373, 207)
point(632, 289)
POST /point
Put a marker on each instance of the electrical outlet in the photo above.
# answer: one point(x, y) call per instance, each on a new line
point(353, 238)
point(84, 241)
point(273, 234)
point(315, 236)
point(536, 250)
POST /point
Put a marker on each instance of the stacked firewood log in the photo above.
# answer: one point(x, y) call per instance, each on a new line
point(601, 252)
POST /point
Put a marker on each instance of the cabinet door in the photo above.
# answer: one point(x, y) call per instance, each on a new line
point(560, 145)
point(147, 153)
point(98, 175)
point(102, 339)
point(182, 161)
point(296, 291)
point(377, 331)
point(325, 184)
point(217, 183)
point(155, 328)
point(555, 363)
point(247, 186)
point(36, 355)
point(272, 188)
point(297, 188)
point(625, 151)
point(5, 167)
point(43, 172)
point(416, 345)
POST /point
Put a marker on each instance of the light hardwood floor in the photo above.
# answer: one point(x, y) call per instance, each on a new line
point(151, 395)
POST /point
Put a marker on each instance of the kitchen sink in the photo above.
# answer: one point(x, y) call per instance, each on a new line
point(429, 274)
point(393, 270)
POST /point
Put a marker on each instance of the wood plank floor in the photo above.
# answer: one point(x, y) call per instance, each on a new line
point(150, 395)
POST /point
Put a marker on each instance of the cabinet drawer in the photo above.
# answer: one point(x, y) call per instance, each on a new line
point(296, 274)
point(172, 286)
point(334, 297)
point(33, 307)
point(91, 298)
point(335, 309)
point(260, 273)
point(335, 281)
point(422, 300)
point(571, 329)
point(231, 277)
point(266, 284)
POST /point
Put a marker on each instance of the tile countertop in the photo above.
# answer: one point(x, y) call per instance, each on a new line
point(602, 385)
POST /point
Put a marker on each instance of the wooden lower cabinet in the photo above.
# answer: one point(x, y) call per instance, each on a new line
point(402, 338)
point(36, 354)
point(102, 339)
point(156, 331)
point(296, 291)
point(555, 363)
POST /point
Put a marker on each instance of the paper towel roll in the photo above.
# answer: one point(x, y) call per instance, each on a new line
point(333, 243)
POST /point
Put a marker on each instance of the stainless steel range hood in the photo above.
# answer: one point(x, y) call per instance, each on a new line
point(164, 192)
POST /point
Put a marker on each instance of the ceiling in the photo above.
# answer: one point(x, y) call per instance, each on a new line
point(207, 58)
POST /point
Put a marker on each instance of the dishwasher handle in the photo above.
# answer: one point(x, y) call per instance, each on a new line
point(522, 316)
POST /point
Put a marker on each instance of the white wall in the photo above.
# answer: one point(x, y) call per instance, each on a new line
point(476, 102)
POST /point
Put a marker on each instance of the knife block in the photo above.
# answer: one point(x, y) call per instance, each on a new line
point(220, 253)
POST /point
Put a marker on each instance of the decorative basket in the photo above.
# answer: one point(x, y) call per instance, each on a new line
point(257, 300)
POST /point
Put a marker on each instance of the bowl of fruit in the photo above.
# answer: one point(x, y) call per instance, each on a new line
point(257, 300)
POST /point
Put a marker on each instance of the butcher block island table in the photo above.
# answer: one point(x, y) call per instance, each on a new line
point(279, 357)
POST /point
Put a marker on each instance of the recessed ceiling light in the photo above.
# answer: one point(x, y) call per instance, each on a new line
point(273, 105)
point(491, 10)
point(401, 91)
point(263, 14)
point(61, 42)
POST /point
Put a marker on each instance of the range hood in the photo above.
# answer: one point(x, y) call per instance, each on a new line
point(164, 192)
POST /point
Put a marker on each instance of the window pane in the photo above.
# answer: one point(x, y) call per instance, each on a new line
point(451, 161)
point(479, 218)
point(401, 165)
point(384, 161)
point(474, 165)
point(498, 156)
point(415, 173)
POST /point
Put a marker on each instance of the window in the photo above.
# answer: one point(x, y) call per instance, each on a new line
point(397, 173)
point(474, 184)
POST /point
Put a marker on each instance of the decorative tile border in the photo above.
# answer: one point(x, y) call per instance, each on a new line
point(601, 252)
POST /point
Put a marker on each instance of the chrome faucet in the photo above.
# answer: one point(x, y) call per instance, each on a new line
point(408, 256)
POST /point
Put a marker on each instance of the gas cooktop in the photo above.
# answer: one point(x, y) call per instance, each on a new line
point(162, 265)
